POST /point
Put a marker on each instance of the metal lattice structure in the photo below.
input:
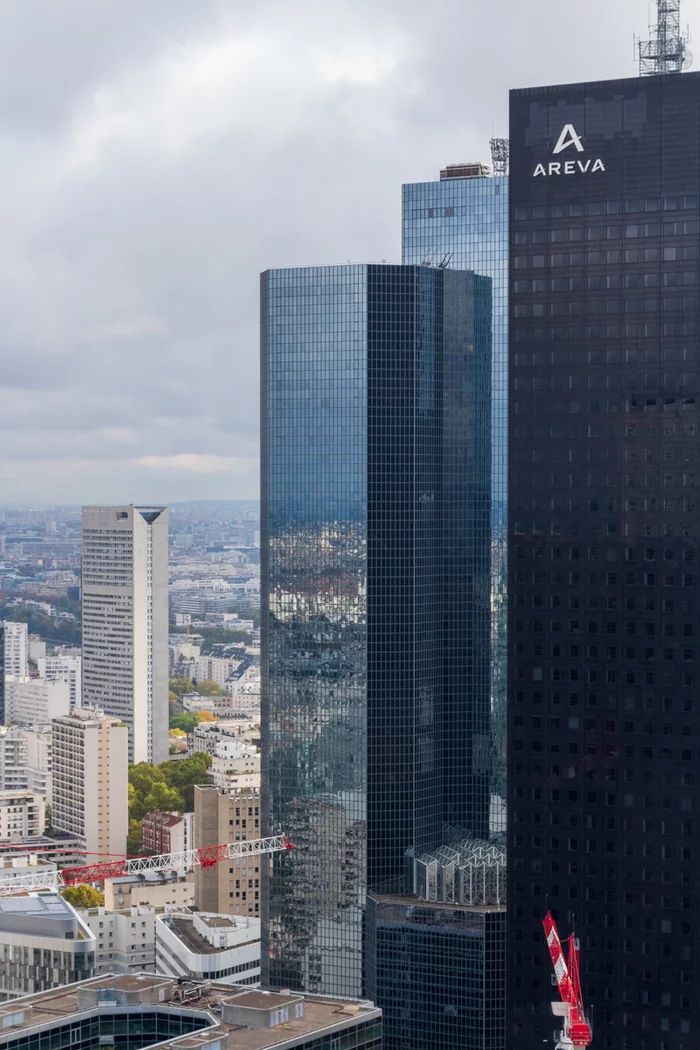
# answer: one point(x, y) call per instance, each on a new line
point(469, 872)
point(500, 156)
point(183, 861)
point(667, 51)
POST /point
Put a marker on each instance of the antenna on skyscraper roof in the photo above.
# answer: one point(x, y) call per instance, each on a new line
point(500, 156)
point(667, 51)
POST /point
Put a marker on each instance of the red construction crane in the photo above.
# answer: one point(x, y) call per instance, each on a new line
point(206, 857)
point(576, 1031)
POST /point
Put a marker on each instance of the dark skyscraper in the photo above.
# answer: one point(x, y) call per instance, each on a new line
point(604, 555)
point(375, 566)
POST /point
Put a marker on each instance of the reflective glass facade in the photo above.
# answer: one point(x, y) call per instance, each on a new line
point(439, 972)
point(463, 223)
point(376, 578)
point(604, 719)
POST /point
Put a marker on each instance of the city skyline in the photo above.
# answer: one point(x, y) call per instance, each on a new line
point(129, 256)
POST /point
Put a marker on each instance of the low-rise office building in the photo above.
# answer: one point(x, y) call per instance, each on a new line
point(125, 940)
point(147, 1010)
point(199, 946)
point(151, 889)
point(43, 944)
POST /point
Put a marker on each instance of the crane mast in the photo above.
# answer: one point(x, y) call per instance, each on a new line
point(185, 860)
point(576, 1030)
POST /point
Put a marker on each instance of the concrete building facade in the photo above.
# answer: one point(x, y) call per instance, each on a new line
point(125, 940)
point(234, 887)
point(16, 649)
point(22, 815)
point(67, 668)
point(125, 622)
point(154, 890)
point(25, 759)
point(34, 701)
point(90, 781)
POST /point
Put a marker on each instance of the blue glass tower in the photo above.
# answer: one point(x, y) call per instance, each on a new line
point(463, 223)
point(376, 497)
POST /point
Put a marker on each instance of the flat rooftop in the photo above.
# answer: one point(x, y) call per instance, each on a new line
point(50, 904)
point(320, 1012)
point(185, 932)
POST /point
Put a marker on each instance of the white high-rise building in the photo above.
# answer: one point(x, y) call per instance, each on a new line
point(64, 667)
point(125, 622)
point(34, 701)
point(16, 649)
point(90, 780)
point(25, 759)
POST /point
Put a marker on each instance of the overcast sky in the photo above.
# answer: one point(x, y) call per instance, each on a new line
point(156, 155)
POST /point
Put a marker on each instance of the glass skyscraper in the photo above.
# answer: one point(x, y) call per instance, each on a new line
point(376, 497)
point(462, 222)
point(604, 533)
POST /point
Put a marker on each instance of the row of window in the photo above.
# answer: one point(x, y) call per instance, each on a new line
point(608, 282)
point(581, 333)
point(685, 202)
point(628, 305)
point(632, 230)
point(629, 703)
point(607, 257)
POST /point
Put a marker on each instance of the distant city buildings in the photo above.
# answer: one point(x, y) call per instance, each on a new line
point(125, 622)
point(90, 783)
point(16, 649)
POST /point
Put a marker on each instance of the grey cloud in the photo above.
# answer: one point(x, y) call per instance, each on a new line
point(155, 157)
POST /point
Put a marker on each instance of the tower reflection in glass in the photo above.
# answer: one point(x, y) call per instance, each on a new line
point(376, 497)
point(464, 221)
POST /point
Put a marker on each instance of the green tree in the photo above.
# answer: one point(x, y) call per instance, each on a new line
point(186, 722)
point(163, 797)
point(209, 688)
point(180, 686)
point(133, 840)
point(83, 896)
point(143, 778)
point(185, 773)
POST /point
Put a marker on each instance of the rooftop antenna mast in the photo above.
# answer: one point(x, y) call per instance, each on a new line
point(667, 51)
